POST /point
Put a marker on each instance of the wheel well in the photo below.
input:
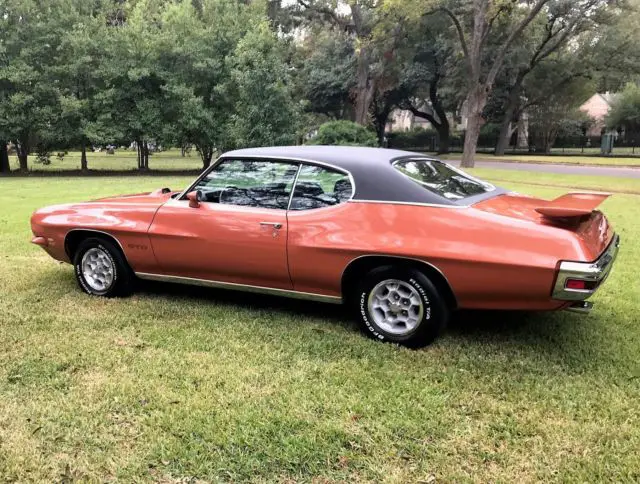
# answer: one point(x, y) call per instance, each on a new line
point(360, 266)
point(75, 237)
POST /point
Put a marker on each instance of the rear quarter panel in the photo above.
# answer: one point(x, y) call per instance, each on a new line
point(488, 262)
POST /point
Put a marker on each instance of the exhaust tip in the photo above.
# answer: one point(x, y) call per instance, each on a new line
point(582, 307)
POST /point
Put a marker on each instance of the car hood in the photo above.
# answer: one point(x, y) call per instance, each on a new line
point(156, 197)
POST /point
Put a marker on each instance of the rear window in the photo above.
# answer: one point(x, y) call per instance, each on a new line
point(443, 179)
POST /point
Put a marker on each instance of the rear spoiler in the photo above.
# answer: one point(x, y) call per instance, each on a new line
point(573, 204)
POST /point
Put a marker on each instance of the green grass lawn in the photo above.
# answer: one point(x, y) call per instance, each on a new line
point(177, 383)
point(120, 160)
point(172, 160)
point(595, 150)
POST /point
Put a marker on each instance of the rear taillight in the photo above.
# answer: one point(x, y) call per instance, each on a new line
point(580, 285)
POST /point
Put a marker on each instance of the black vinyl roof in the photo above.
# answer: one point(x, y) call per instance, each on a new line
point(374, 177)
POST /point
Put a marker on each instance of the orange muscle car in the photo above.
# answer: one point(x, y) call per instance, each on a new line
point(402, 238)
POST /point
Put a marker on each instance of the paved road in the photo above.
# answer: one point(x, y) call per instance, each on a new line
point(558, 168)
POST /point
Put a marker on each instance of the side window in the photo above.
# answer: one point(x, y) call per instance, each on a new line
point(251, 183)
point(319, 187)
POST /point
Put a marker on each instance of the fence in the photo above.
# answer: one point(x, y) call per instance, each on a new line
point(429, 141)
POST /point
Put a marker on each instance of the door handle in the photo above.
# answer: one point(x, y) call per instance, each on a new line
point(275, 225)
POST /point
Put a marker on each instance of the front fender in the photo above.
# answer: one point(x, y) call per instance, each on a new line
point(127, 224)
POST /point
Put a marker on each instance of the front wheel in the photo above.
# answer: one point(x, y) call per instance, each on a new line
point(401, 305)
point(101, 269)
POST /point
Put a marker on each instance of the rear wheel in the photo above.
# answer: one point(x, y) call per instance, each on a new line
point(101, 269)
point(401, 305)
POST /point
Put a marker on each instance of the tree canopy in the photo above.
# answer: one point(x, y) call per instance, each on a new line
point(220, 74)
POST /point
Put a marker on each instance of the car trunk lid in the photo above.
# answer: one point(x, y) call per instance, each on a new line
point(574, 212)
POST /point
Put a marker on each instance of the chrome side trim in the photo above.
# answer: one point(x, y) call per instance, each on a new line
point(413, 259)
point(417, 204)
point(240, 287)
point(274, 158)
point(98, 232)
point(597, 271)
point(589, 192)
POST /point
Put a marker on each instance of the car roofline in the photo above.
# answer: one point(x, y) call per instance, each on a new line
point(273, 158)
point(463, 203)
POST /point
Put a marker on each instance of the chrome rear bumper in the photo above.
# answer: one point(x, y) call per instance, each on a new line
point(594, 273)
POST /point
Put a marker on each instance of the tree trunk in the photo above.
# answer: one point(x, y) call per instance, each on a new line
point(206, 155)
point(522, 140)
point(381, 119)
point(4, 158)
point(505, 134)
point(509, 113)
point(139, 154)
point(365, 88)
point(444, 137)
point(442, 126)
point(83, 157)
point(476, 101)
point(549, 140)
point(145, 155)
point(23, 156)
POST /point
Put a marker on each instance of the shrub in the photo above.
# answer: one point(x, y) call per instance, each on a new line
point(344, 133)
point(415, 138)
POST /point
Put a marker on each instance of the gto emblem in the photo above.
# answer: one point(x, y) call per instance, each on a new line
point(137, 246)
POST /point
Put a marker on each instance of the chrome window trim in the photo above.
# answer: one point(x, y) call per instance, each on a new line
point(491, 187)
point(417, 204)
point(344, 172)
point(597, 271)
point(293, 187)
point(240, 287)
point(270, 158)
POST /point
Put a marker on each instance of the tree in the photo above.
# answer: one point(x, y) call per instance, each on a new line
point(79, 70)
point(625, 113)
point(358, 19)
point(134, 104)
point(326, 73)
point(557, 114)
point(198, 57)
point(265, 113)
point(486, 31)
point(30, 35)
point(614, 52)
point(429, 75)
point(563, 27)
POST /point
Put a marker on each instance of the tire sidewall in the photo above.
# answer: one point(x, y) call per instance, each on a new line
point(435, 312)
point(109, 251)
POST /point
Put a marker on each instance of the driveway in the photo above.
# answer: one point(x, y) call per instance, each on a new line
point(558, 168)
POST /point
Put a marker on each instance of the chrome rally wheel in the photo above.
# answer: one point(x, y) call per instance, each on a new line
point(101, 268)
point(400, 304)
point(396, 307)
point(98, 269)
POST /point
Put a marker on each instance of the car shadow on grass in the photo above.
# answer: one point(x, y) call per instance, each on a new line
point(562, 338)
point(333, 313)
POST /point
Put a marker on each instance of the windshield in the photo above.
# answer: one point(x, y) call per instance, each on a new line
point(443, 179)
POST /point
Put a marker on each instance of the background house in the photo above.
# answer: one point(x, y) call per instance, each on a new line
point(597, 107)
